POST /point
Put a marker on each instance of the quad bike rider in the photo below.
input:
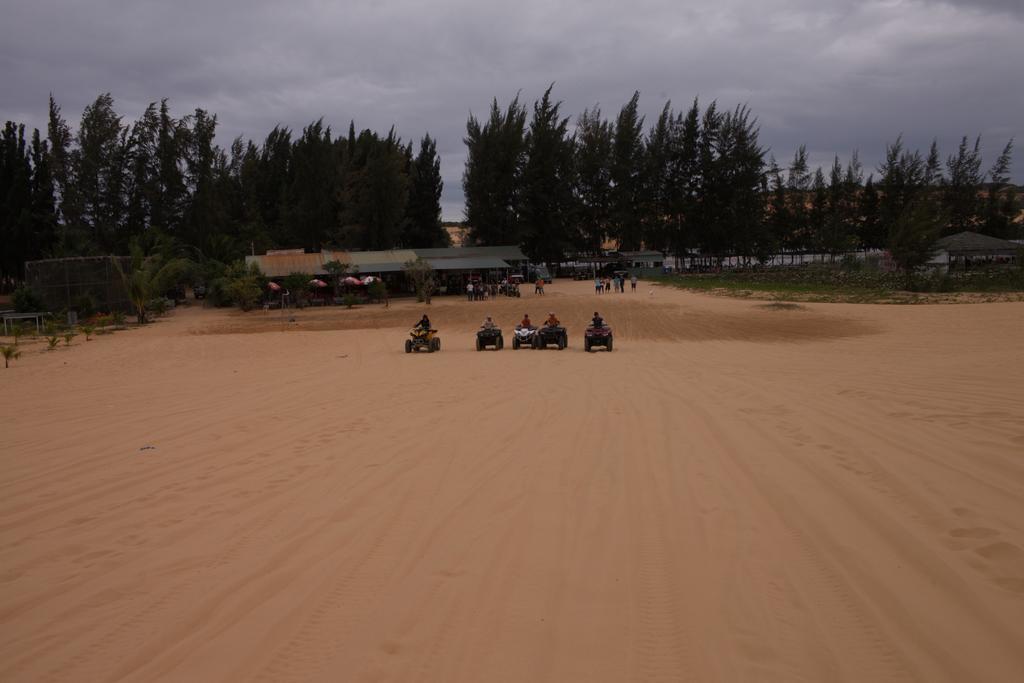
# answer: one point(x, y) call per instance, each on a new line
point(551, 333)
point(423, 336)
point(524, 333)
point(597, 334)
point(489, 334)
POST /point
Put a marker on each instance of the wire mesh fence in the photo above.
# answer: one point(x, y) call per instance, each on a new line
point(84, 284)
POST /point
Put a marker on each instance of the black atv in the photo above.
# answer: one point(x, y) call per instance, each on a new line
point(489, 337)
point(551, 334)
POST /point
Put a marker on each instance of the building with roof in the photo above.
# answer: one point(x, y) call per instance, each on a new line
point(966, 249)
point(455, 265)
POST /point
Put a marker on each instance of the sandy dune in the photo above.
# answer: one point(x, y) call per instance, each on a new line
point(737, 493)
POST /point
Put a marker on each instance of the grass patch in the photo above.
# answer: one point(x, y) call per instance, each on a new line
point(839, 284)
point(782, 306)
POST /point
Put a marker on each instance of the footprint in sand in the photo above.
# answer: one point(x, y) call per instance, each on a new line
point(1001, 551)
point(974, 532)
point(1014, 585)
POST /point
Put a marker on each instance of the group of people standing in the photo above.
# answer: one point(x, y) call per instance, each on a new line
point(618, 282)
point(481, 291)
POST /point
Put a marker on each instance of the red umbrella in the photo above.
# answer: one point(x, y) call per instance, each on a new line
point(274, 287)
point(352, 281)
point(318, 283)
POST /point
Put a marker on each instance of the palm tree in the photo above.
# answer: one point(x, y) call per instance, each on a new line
point(149, 277)
point(17, 331)
point(87, 330)
point(9, 352)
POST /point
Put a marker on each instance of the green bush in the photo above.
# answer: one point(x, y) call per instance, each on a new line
point(27, 300)
point(244, 292)
point(84, 304)
point(851, 263)
point(239, 284)
point(377, 290)
point(297, 285)
point(20, 330)
point(349, 300)
point(158, 306)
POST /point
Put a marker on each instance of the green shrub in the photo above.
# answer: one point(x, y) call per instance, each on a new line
point(851, 263)
point(158, 306)
point(87, 330)
point(349, 300)
point(53, 340)
point(244, 292)
point(18, 331)
point(297, 285)
point(68, 336)
point(85, 304)
point(26, 300)
point(377, 290)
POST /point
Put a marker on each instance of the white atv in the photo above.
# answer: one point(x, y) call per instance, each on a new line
point(523, 336)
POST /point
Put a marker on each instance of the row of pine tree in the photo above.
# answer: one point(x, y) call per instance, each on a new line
point(93, 190)
point(700, 180)
point(695, 181)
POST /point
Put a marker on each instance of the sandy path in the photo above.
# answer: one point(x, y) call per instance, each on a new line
point(736, 493)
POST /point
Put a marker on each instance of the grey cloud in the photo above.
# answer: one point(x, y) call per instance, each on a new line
point(832, 74)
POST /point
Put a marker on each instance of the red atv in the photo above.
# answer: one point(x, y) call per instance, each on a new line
point(597, 336)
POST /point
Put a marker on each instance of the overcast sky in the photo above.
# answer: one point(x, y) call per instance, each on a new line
point(836, 75)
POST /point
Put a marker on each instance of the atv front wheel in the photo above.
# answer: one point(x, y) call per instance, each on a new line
point(501, 343)
point(609, 344)
point(408, 346)
point(515, 343)
point(479, 344)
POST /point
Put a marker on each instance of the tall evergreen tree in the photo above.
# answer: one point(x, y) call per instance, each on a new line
point(375, 191)
point(312, 194)
point(594, 138)
point(902, 178)
point(15, 199)
point(423, 215)
point(778, 216)
point(656, 191)
point(741, 159)
point(798, 186)
point(1002, 208)
point(546, 201)
point(491, 181)
point(44, 203)
point(684, 181)
point(818, 214)
point(871, 233)
point(627, 179)
point(101, 164)
point(961, 190)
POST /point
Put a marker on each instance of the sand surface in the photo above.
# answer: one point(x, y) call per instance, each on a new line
point(736, 493)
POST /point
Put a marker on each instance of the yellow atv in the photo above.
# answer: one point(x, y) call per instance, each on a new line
point(422, 339)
